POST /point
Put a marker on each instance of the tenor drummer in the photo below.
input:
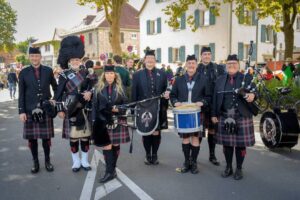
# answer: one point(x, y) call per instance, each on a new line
point(147, 83)
point(190, 88)
point(234, 118)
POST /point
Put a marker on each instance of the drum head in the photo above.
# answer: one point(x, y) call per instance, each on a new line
point(187, 108)
point(270, 131)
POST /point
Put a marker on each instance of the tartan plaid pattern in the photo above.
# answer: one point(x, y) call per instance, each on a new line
point(67, 128)
point(245, 134)
point(33, 130)
point(71, 85)
point(120, 134)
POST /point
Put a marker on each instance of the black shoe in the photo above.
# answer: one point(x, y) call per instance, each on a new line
point(186, 167)
point(194, 168)
point(238, 175)
point(154, 160)
point(107, 177)
point(36, 167)
point(214, 160)
point(49, 167)
point(227, 172)
point(76, 169)
point(148, 160)
point(86, 168)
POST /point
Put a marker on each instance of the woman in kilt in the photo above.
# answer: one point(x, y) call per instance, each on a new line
point(234, 118)
point(74, 89)
point(108, 134)
point(190, 88)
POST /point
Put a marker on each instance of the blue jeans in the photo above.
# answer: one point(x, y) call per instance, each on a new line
point(12, 89)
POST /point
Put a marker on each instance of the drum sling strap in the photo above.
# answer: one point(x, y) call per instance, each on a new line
point(190, 86)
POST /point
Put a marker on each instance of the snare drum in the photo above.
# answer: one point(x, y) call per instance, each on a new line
point(187, 118)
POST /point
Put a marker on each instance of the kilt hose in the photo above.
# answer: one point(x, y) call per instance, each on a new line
point(244, 136)
point(120, 134)
point(33, 130)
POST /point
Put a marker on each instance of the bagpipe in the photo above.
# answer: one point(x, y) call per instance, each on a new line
point(244, 89)
point(144, 115)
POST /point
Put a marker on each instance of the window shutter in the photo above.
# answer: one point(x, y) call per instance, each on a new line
point(197, 51)
point(157, 1)
point(241, 16)
point(182, 53)
point(263, 33)
point(254, 18)
point(148, 27)
point(197, 18)
point(212, 17)
point(213, 49)
point(253, 57)
point(170, 51)
point(158, 55)
point(158, 25)
point(241, 51)
point(182, 21)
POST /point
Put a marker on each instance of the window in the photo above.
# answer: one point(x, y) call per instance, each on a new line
point(175, 54)
point(133, 36)
point(247, 17)
point(243, 51)
point(152, 27)
point(122, 37)
point(206, 18)
point(47, 47)
point(269, 34)
point(90, 38)
point(298, 23)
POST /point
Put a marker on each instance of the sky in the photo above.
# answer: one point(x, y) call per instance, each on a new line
point(39, 18)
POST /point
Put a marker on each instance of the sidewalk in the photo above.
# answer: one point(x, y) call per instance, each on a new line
point(4, 95)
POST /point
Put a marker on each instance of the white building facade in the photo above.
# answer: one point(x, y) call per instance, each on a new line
point(225, 34)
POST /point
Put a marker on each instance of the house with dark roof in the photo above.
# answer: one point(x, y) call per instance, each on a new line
point(95, 30)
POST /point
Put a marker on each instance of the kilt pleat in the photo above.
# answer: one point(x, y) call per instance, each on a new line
point(244, 136)
point(33, 130)
point(120, 134)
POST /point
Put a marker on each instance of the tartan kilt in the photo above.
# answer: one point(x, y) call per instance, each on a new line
point(244, 136)
point(67, 128)
point(120, 134)
point(33, 130)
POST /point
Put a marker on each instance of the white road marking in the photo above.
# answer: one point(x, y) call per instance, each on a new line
point(141, 194)
point(107, 188)
point(88, 186)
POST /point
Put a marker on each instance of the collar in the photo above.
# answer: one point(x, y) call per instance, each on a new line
point(188, 78)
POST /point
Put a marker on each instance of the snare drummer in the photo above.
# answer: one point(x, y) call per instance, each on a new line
point(235, 123)
point(191, 88)
point(109, 92)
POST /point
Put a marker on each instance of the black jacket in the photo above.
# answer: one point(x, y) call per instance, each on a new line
point(102, 106)
point(211, 71)
point(12, 78)
point(201, 90)
point(29, 89)
point(218, 97)
point(140, 89)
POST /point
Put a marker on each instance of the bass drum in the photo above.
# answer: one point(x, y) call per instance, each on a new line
point(279, 129)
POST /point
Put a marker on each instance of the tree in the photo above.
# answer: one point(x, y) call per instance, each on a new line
point(22, 58)
point(24, 45)
point(8, 19)
point(282, 12)
point(112, 9)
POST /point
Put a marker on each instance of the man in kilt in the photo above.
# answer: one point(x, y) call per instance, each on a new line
point(107, 132)
point(146, 83)
point(234, 118)
point(211, 71)
point(75, 90)
point(34, 90)
point(187, 89)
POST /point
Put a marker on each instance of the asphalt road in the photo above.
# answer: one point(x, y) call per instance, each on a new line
point(268, 174)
